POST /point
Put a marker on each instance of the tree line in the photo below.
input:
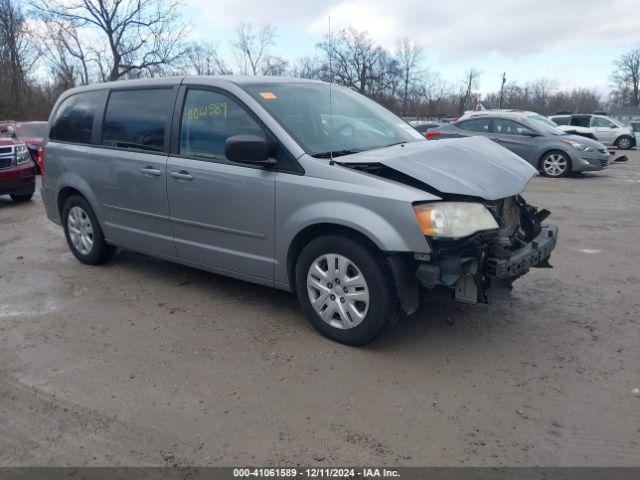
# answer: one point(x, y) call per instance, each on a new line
point(48, 46)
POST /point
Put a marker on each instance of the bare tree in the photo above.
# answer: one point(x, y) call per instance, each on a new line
point(355, 59)
point(141, 36)
point(311, 67)
point(203, 58)
point(61, 47)
point(408, 56)
point(16, 58)
point(251, 48)
point(626, 77)
point(471, 81)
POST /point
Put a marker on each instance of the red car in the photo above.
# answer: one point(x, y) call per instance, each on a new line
point(32, 135)
point(17, 169)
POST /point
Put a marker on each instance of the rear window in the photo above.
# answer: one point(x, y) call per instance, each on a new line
point(73, 121)
point(137, 119)
point(580, 121)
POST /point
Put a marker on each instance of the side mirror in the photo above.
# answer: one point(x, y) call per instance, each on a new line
point(247, 149)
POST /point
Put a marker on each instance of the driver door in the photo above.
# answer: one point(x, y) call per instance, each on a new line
point(222, 212)
point(510, 134)
point(604, 129)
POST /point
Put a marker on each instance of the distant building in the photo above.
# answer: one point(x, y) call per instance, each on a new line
point(625, 114)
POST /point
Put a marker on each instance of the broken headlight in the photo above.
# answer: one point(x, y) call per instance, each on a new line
point(453, 219)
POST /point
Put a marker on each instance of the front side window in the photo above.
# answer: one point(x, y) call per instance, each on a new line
point(331, 121)
point(477, 125)
point(602, 122)
point(508, 127)
point(73, 121)
point(137, 119)
point(208, 119)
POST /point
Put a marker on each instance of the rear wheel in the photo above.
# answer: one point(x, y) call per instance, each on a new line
point(555, 164)
point(21, 198)
point(624, 142)
point(345, 289)
point(83, 233)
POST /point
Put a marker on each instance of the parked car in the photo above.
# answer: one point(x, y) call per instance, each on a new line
point(605, 129)
point(635, 126)
point(424, 127)
point(587, 132)
point(250, 177)
point(17, 170)
point(553, 152)
point(32, 135)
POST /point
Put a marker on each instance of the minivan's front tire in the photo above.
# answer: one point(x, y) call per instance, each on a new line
point(345, 288)
point(83, 233)
point(555, 164)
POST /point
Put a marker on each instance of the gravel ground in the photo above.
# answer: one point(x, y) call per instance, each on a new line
point(142, 362)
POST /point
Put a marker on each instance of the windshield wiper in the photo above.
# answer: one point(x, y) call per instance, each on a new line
point(336, 153)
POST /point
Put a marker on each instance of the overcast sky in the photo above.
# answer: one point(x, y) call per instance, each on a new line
point(571, 41)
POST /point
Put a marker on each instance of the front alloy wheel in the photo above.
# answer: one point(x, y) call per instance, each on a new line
point(555, 165)
point(338, 291)
point(624, 143)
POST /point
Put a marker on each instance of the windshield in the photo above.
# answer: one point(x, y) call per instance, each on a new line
point(543, 119)
point(353, 124)
point(543, 125)
point(36, 130)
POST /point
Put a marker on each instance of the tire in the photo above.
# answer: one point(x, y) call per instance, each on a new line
point(80, 226)
point(25, 197)
point(373, 305)
point(624, 142)
point(555, 164)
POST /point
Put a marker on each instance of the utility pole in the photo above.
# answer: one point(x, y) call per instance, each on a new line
point(504, 79)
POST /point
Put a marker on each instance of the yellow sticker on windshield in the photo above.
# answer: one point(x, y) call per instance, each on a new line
point(268, 95)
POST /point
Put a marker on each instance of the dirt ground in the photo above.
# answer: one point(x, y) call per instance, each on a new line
point(143, 362)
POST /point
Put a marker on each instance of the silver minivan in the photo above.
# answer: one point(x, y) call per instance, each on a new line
point(294, 184)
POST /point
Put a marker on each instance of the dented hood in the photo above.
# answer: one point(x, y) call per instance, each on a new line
point(472, 166)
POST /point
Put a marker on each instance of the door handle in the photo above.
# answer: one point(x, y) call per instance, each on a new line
point(151, 172)
point(181, 175)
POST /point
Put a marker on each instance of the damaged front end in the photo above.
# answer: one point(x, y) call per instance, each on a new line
point(494, 235)
point(472, 265)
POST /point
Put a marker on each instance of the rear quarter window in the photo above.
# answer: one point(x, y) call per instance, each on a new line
point(73, 121)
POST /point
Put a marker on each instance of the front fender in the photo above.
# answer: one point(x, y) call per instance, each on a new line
point(391, 232)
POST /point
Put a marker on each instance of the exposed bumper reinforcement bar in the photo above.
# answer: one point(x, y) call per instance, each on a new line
point(534, 254)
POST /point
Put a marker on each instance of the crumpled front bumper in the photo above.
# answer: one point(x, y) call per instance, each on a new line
point(470, 276)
